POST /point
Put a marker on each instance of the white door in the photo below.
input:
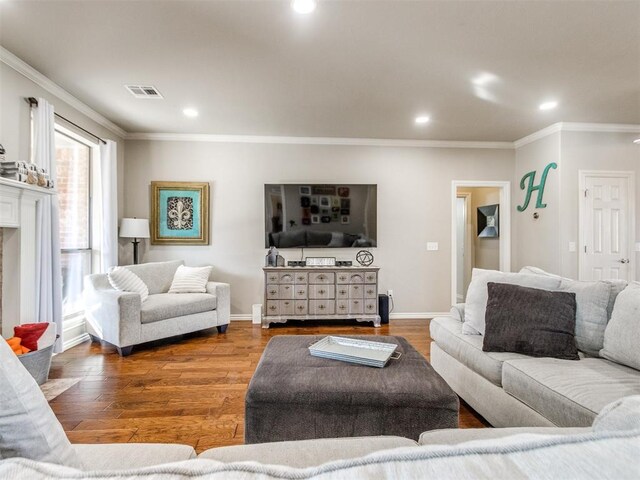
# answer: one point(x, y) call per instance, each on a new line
point(606, 225)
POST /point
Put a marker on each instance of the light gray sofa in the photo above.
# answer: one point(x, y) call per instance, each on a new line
point(121, 319)
point(514, 390)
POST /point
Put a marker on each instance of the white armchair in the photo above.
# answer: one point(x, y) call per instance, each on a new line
point(120, 318)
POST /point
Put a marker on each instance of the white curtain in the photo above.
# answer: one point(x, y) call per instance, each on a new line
point(48, 292)
point(108, 205)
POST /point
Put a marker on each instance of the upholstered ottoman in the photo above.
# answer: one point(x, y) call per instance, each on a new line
point(294, 396)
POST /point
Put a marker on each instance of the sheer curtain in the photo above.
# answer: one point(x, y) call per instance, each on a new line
point(108, 205)
point(49, 274)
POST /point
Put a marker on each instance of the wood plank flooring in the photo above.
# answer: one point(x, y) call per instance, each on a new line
point(188, 390)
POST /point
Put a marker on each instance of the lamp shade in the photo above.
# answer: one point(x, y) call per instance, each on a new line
point(134, 228)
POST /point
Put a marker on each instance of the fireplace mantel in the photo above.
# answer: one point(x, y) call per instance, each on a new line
point(18, 203)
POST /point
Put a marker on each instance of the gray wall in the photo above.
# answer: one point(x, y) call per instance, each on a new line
point(414, 195)
point(545, 242)
point(536, 242)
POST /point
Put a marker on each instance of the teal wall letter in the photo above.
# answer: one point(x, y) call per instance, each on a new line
point(531, 177)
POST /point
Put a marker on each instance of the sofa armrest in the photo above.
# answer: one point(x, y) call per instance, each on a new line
point(457, 311)
point(112, 315)
point(222, 291)
point(454, 436)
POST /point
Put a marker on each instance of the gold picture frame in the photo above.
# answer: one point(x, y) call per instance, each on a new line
point(179, 213)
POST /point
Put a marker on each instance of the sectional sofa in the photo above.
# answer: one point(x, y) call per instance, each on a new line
point(514, 390)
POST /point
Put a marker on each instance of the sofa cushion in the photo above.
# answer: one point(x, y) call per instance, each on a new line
point(125, 280)
point(619, 415)
point(157, 276)
point(454, 436)
point(169, 305)
point(594, 301)
point(531, 321)
point(305, 453)
point(467, 349)
point(622, 336)
point(190, 279)
point(123, 456)
point(477, 294)
point(569, 394)
point(28, 427)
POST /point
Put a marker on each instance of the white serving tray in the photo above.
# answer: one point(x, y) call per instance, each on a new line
point(352, 350)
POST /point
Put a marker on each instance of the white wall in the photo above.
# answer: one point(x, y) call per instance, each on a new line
point(592, 151)
point(414, 195)
point(545, 242)
point(536, 241)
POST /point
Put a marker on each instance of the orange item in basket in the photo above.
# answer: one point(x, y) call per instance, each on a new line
point(15, 344)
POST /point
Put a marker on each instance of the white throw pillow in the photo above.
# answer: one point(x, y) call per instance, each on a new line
point(125, 280)
point(478, 294)
point(622, 335)
point(28, 427)
point(190, 280)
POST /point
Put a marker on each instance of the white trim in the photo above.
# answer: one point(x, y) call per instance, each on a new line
point(471, 248)
point(371, 142)
point(577, 127)
point(240, 317)
point(505, 225)
point(631, 194)
point(75, 341)
point(417, 315)
point(50, 86)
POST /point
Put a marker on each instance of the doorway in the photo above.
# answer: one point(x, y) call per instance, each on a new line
point(481, 231)
point(607, 225)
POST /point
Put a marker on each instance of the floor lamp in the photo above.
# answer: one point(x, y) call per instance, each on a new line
point(134, 228)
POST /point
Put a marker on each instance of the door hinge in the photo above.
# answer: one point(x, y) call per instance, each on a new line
point(585, 249)
point(585, 192)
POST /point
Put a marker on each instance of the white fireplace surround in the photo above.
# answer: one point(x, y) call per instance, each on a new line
point(18, 219)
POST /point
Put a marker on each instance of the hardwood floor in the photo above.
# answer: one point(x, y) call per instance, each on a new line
point(187, 391)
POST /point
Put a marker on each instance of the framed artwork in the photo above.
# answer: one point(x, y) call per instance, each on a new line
point(488, 221)
point(325, 201)
point(323, 190)
point(315, 218)
point(305, 190)
point(314, 200)
point(179, 213)
point(345, 219)
point(345, 203)
point(305, 201)
point(335, 202)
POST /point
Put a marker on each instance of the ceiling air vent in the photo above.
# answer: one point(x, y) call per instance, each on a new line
point(143, 91)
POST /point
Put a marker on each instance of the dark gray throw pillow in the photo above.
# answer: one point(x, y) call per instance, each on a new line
point(534, 322)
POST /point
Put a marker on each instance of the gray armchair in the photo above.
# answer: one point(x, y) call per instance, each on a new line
point(120, 318)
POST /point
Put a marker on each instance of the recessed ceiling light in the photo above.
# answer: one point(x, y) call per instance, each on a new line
point(190, 112)
point(422, 119)
point(637, 141)
point(548, 105)
point(303, 6)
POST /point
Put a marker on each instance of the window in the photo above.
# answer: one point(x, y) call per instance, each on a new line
point(73, 172)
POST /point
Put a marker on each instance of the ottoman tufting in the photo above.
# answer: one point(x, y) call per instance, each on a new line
point(294, 396)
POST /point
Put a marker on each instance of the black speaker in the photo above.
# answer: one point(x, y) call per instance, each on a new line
point(383, 308)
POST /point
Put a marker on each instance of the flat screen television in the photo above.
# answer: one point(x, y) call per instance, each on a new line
point(332, 216)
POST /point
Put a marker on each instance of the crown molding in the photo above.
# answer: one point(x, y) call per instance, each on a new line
point(577, 127)
point(50, 86)
point(370, 142)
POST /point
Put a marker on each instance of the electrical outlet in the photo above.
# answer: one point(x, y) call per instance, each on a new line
point(390, 293)
point(432, 246)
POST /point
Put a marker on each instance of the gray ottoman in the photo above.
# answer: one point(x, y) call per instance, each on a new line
point(294, 396)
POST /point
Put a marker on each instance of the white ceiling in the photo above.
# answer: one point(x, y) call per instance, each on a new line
point(350, 69)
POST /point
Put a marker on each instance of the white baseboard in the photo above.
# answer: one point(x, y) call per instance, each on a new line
point(416, 315)
point(72, 342)
point(234, 317)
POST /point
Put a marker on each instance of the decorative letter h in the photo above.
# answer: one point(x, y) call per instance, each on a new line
point(531, 176)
